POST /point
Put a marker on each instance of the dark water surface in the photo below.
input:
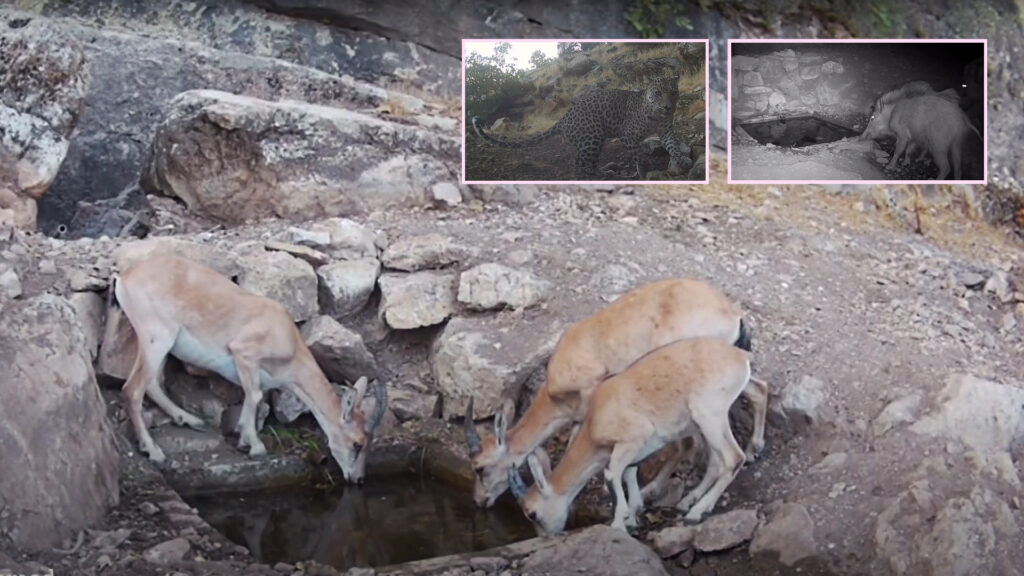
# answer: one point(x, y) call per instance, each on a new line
point(797, 131)
point(390, 519)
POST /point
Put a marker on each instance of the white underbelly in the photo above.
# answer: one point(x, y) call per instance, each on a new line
point(190, 350)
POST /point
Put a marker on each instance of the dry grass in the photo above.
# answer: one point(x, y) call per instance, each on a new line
point(948, 218)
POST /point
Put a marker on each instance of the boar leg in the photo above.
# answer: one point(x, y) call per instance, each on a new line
point(901, 147)
point(940, 154)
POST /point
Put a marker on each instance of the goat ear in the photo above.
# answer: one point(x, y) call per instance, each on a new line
point(360, 389)
point(539, 476)
point(544, 459)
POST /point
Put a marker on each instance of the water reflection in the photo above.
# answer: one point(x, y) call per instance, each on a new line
point(388, 520)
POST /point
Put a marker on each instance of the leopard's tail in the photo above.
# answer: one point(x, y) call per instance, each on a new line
point(530, 141)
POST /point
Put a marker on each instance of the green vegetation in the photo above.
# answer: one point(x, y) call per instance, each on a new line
point(493, 83)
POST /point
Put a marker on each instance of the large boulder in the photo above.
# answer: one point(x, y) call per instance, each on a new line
point(235, 158)
point(282, 278)
point(425, 252)
point(42, 84)
point(597, 551)
point(488, 358)
point(60, 468)
point(346, 286)
point(418, 299)
point(492, 285)
point(136, 68)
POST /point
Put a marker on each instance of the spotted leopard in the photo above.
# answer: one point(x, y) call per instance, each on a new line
point(601, 114)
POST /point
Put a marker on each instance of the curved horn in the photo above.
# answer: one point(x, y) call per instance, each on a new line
point(472, 436)
point(516, 484)
point(380, 394)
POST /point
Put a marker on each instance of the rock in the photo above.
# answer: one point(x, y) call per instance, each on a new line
point(309, 238)
point(800, 401)
point(347, 239)
point(698, 170)
point(229, 418)
point(362, 163)
point(82, 281)
point(284, 279)
point(725, 530)
point(177, 441)
point(971, 534)
point(208, 397)
point(90, 309)
point(412, 401)
point(488, 564)
point(66, 476)
point(118, 348)
point(168, 552)
point(446, 193)
point(999, 285)
point(340, 352)
point(287, 407)
point(313, 257)
point(970, 279)
point(830, 463)
point(427, 251)
point(490, 286)
point(47, 266)
point(896, 413)
point(488, 358)
point(416, 299)
point(219, 259)
point(346, 286)
point(1007, 323)
point(10, 283)
point(670, 541)
point(613, 280)
point(136, 67)
point(127, 214)
point(596, 551)
point(149, 509)
point(744, 63)
point(984, 416)
point(43, 80)
point(580, 65)
point(788, 533)
point(1018, 309)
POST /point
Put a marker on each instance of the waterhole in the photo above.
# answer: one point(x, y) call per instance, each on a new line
point(389, 520)
point(797, 131)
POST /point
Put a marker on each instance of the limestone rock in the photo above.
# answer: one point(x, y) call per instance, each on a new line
point(725, 530)
point(220, 260)
point(670, 541)
point(960, 536)
point(896, 413)
point(342, 238)
point(426, 251)
point(43, 79)
point(412, 401)
point(446, 193)
point(489, 359)
point(346, 286)
point(284, 279)
point(800, 401)
point(984, 416)
point(788, 532)
point(10, 282)
point(596, 551)
point(314, 161)
point(490, 286)
point(89, 308)
point(417, 299)
point(66, 476)
point(168, 552)
point(340, 352)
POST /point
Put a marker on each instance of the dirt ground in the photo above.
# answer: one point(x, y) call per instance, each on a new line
point(836, 286)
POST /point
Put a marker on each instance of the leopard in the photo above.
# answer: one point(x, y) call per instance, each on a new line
point(603, 113)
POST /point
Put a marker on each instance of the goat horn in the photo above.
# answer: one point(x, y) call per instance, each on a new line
point(380, 394)
point(472, 436)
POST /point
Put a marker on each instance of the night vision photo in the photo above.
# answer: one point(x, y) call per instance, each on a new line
point(584, 111)
point(853, 111)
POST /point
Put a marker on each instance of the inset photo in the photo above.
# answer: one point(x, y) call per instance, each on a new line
point(543, 111)
point(857, 111)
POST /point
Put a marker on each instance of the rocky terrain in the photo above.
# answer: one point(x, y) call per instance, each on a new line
point(888, 321)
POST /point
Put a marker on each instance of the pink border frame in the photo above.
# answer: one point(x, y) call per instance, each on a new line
point(707, 89)
point(728, 112)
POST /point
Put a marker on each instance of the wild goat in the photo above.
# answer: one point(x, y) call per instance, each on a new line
point(681, 389)
point(601, 346)
point(190, 311)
